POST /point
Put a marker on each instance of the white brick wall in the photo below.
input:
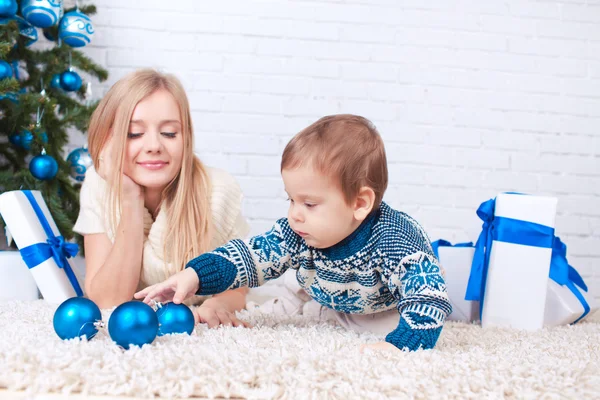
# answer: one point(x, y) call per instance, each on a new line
point(471, 97)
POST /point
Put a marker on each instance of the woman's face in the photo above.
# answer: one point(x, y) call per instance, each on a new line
point(154, 150)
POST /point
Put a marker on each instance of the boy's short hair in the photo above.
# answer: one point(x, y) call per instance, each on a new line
point(346, 147)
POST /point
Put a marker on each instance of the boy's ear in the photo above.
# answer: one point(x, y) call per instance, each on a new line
point(363, 205)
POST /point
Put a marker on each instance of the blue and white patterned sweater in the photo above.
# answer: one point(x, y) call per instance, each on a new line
point(387, 262)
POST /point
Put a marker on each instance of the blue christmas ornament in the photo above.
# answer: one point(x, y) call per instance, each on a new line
point(75, 29)
point(70, 81)
point(77, 317)
point(43, 167)
point(41, 13)
point(27, 30)
point(79, 160)
point(55, 82)
point(175, 318)
point(6, 70)
point(8, 8)
point(26, 139)
point(15, 139)
point(133, 323)
point(49, 35)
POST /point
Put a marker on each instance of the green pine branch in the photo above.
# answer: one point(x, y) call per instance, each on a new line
point(62, 112)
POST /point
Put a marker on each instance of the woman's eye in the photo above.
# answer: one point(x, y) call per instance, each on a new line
point(169, 134)
point(309, 205)
point(290, 200)
point(132, 135)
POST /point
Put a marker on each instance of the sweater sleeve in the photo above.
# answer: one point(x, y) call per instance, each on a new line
point(423, 303)
point(90, 219)
point(250, 263)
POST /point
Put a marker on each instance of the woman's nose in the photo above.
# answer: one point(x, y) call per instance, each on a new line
point(153, 142)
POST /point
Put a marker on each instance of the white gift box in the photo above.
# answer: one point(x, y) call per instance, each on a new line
point(456, 262)
point(16, 281)
point(517, 275)
point(27, 230)
point(563, 307)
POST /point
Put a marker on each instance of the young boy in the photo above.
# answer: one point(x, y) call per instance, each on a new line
point(351, 251)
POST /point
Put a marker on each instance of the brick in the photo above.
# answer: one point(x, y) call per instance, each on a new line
point(279, 28)
point(510, 140)
point(505, 181)
point(220, 43)
point(280, 85)
point(421, 154)
point(368, 71)
point(260, 104)
point(547, 47)
point(232, 163)
point(567, 144)
point(481, 158)
point(264, 166)
point(205, 101)
point(261, 187)
point(555, 163)
point(569, 184)
point(581, 205)
point(369, 109)
point(572, 225)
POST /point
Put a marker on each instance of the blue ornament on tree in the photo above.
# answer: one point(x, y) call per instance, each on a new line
point(174, 318)
point(26, 138)
point(79, 160)
point(55, 82)
point(27, 30)
point(75, 29)
point(133, 323)
point(49, 35)
point(6, 70)
point(77, 317)
point(43, 166)
point(70, 81)
point(15, 139)
point(8, 8)
point(41, 13)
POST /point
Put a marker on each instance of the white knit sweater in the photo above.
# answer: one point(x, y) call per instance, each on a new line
point(228, 222)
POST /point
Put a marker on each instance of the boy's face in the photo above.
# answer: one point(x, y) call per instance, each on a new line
point(318, 211)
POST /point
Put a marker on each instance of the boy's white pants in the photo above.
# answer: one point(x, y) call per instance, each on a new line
point(291, 299)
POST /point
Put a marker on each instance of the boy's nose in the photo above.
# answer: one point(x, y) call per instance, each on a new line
point(296, 214)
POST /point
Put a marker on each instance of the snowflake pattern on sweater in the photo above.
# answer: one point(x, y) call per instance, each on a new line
point(386, 262)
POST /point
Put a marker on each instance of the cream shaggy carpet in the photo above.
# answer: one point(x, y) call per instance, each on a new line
point(293, 357)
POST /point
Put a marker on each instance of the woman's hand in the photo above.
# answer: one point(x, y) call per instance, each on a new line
point(106, 163)
point(214, 314)
point(177, 288)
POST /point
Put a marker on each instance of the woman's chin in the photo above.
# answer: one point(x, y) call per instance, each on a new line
point(152, 184)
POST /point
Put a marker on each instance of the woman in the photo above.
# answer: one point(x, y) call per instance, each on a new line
point(149, 204)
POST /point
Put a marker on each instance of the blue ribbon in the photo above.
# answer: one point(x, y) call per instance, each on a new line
point(563, 274)
point(444, 243)
point(503, 230)
point(55, 247)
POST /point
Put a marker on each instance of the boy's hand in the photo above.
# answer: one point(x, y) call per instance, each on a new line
point(177, 288)
point(380, 346)
point(214, 316)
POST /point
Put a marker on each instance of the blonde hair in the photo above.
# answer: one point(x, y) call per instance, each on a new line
point(187, 196)
point(345, 147)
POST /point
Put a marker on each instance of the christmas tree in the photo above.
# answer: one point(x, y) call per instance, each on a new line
point(42, 96)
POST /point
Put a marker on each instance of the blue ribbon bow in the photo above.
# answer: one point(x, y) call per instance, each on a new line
point(504, 230)
point(55, 247)
point(444, 243)
point(563, 274)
